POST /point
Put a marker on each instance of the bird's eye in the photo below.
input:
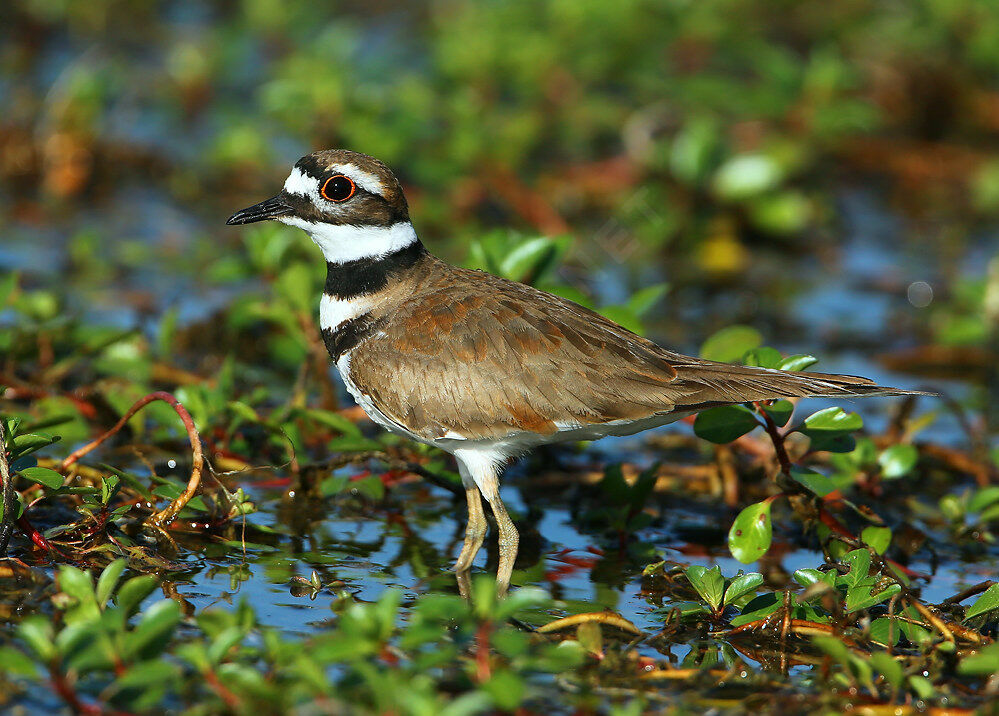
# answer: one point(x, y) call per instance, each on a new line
point(338, 188)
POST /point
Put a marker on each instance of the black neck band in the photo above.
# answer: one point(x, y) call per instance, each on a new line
point(355, 278)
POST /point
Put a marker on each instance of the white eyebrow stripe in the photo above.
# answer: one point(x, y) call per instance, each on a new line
point(366, 180)
point(298, 182)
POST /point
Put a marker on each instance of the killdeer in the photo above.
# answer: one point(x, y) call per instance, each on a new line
point(479, 366)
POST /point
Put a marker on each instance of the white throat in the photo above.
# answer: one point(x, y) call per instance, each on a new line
point(341, 243)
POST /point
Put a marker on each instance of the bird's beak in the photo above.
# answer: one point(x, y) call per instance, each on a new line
point(270, 209)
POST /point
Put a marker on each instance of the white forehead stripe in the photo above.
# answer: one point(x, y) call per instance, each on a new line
point(298, 182)
point(341, 243)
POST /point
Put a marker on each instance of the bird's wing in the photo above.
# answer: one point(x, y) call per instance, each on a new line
point(482, 356)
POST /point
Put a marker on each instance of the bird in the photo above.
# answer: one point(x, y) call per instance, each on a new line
point(479, 366)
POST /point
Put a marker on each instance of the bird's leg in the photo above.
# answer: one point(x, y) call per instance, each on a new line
point(509, 540)
point(475, 530)
point(481, 470)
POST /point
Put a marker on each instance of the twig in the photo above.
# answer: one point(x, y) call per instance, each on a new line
point(608, 618)
point(969, 592)
point(168, 513)
point(7, 486)
point(778, 441)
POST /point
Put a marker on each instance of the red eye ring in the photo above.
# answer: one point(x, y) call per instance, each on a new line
point(338, 188)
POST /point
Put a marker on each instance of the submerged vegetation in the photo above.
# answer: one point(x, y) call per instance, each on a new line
point(196, 519)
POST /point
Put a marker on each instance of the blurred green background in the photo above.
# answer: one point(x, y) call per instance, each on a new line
point(828, 172)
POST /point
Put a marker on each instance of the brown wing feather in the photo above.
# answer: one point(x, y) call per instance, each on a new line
point(481, 356)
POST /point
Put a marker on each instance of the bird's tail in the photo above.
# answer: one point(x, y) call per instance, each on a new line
point(723, 383)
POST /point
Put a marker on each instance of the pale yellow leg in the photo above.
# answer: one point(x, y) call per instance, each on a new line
point(480, 469)
point(475, 530)
point(509, 541)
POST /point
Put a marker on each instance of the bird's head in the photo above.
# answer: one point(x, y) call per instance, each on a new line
point(351, 205)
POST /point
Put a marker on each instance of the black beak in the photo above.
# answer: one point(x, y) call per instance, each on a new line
point(272, 208)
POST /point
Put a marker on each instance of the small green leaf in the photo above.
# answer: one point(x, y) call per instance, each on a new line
point(898, 460)
point(133, 592)
point(797, 362)
point(709, 583)
point(43, 476)
point(152, 633)
point(742, 585)
point(759, 607)
point(859, 561)
point(889, 667)
point(724, 424)
point(877, 537)
point(780, 412)
point(829, 429)
point(36, 632)
point(16, 662)
point(730, 344)
point(833, 419)
point(982, 663)
point(885, 630)
point(988, 601)
point(864, 596)
point(751, 533)
point(762, 357)
point(109, 580)
point(983, 498)
point(814, 481)
point(922, 686)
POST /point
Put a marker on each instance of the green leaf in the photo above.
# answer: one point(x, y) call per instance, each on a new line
point(506, 689)
point(885, 630)
point(725, 423)
point(877, 537)
point(37, 632)
point(759, 607)
point(751, 533)
point(833, 419)
point(133, 592)
point(923, 686)
point(21, 445)
point(730, 344)
point(109, 580)
point(746, 175)
point(829, 429)
point(762, 357)
point(983, 498)
point(988, 601)
point(797, 362)
point(889, 667)
point(864, 596)
point(16, 662)
point(806, 577)
point(43, 476)
point(982, 663)
point(8, 284)
point(814, 481)
point(742, 585)
point(859, 561)
point(898, 460)
point(780, 412)
point(709, 583)
point(642, 301)
point(153, 631)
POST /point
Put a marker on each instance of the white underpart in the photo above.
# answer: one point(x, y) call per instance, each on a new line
point(334, 312)
point(341, 243)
